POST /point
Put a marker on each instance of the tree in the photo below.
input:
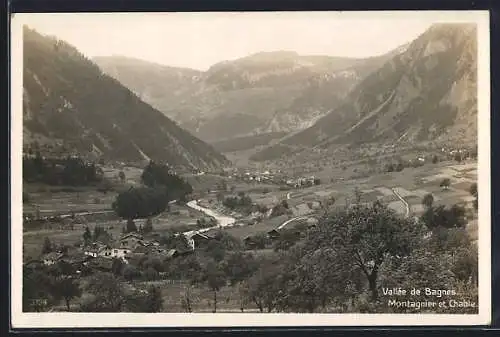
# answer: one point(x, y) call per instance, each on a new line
point(150, 274)
point(162, 177)
point(100, 234)
point(130, 272)
point(445, 183)
point(131, 226)
point(311, 279)
point(117, 267)
point(37, 289)
point(122, 177)
point(149, 300)
point(138, 203)
point(428, 200)
point(287, 239)
point(238, 266)
point(215, 279)
point(327, 204)
point(184, 267)
point(148, 226)
point(440, 216)
point(363, 237)
point(474, 193)
point(47, 246)
point(263, 288)
point(261, 240)
point(473, 190)
point(187, 300)
point(107, 294)
point(154, 300)
point(68, 289)
point(26, 198)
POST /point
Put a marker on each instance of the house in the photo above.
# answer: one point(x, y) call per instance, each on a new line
point(106, 251)
point(273, 234)
point(120, 252)
point(131, 240)
point(75, 257)
point(200, 239)
point(94, 249)
point(249, 242)
point(172, 253)
point(51, 258)
point(34, 264)
point(312, 222)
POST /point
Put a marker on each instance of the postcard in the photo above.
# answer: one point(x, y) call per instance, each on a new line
point(246, 169)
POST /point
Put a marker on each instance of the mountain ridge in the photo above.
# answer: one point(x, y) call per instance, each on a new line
point(69, 103)
point(426, 93)
point(262, 93)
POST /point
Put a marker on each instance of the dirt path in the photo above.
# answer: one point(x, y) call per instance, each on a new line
point(403, 201)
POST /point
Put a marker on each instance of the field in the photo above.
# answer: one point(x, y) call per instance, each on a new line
point(411, 184)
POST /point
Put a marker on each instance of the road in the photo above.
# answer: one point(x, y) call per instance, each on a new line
point(290, 220)
point(68, 215)
point(403, 201)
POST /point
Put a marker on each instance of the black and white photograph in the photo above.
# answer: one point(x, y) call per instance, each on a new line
point(250, 168)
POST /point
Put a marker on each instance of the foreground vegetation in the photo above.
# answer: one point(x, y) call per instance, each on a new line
point(341, 265)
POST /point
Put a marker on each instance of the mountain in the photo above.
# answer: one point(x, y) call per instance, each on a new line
point(266, 94)
point(69, 103)
point(428, 92)
point(158, 85)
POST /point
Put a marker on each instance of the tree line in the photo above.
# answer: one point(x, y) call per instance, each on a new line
point(70, 171)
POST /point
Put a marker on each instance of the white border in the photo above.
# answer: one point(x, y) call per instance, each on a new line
point(84, 320)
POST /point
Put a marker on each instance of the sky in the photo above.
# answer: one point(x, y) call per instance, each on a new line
point(199, 40)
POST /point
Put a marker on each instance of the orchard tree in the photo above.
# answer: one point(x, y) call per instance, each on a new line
point(445, 183)
point(215, 279)
point(238, 266)
point(148, 226)
point(117, 266)
point(474, 193)
point(67, 289)
point(107, 294)
point(263, 287)
point(37, 289)
point(87, 236)
point(47, 246)
point(428, 200)
point(363, 237)
point(154, 299)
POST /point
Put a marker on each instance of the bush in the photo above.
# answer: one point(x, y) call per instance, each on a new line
point(151, 274)
point(131, 273)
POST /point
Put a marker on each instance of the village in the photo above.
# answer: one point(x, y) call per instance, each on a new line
point(97, 251)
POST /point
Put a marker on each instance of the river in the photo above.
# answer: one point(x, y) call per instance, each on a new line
point(222, 220)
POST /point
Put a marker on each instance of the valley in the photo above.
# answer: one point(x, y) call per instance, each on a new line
point(276, 182)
